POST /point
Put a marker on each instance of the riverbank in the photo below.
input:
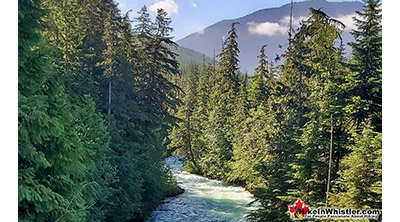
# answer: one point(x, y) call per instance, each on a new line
point(175, 192)
point(242, 183)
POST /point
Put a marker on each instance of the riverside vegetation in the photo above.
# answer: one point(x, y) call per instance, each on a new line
point(93, 111)
point(102, 100)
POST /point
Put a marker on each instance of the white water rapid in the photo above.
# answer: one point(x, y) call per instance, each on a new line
point(204, 200)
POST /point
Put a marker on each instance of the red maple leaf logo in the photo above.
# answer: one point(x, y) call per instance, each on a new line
point(298, 208)
point(291, 209)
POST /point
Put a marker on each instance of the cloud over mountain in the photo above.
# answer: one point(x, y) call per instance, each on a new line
point(274, 28)
point(266, 28)
point(169, 6)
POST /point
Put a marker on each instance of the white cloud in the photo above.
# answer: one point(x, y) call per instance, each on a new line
point(295, 21)
point(285, 20)
point(274, 28)
point(266, 28)
point(347, 21)
point(282, 26)
point(194, 5)
point(169, 6)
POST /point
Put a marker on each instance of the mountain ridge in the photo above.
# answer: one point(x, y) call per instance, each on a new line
point(252, 35)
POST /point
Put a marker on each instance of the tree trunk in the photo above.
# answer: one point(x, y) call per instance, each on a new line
point(330, 162)
point(109, 97)
point(189, 142)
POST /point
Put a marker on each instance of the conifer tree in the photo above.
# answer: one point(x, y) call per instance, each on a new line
point(66, 31)
point(183, 135)
point(91, 127)
point(360, 185)
point(242, 102)
point(274, 174)
point(157, 64)
point(324, 104)
point(157, 96)
point(204, 92)
point(201, 112)
point(219, 128)
point(55, 167)
point(229, 62)
point(253, 138)
point(261, 81)
point(366, 66)
point(238, 119)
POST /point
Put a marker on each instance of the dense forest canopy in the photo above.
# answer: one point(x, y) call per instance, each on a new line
point(102, 99)
point(94, 103)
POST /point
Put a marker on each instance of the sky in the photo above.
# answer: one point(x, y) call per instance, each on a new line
point(190, 16)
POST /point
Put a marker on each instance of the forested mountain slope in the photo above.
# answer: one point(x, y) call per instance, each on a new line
point(187, 57)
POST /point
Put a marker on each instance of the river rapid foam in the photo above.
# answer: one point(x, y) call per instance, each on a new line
point(204, 200)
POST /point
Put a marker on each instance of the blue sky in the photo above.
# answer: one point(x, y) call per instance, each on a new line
point(190, 16)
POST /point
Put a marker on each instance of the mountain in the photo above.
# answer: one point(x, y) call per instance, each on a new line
point(187, 57)
point(267, 26)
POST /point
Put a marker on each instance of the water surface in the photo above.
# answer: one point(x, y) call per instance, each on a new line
point(204, 200)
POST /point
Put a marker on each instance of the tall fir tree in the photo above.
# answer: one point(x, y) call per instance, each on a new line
point(360, 185)
point(183, 135)
point(201, 112)
point(56, 166)
point(366, 66)
point(262, 80)
point(324, 104)
point(219, 129)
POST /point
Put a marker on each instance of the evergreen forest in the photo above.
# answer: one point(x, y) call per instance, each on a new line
point(103, 100)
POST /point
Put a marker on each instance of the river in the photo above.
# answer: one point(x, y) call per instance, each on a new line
point(204, 200)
